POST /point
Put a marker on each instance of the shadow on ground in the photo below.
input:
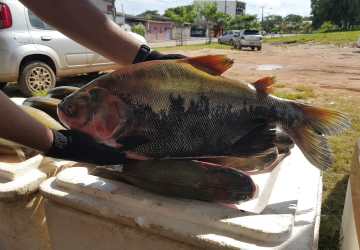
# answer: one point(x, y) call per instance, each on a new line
point(331, 213)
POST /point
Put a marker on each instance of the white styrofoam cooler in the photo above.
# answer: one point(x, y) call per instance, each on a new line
point(22, 217)
point(88, 212)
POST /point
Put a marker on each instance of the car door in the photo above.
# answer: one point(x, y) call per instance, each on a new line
point(228, 36)
point(71, 54)
point(96, 59)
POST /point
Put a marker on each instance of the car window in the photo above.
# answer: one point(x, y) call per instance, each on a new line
point(251, 32)
point(37, 23)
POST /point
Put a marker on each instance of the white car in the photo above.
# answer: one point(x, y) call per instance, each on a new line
point(34, 54)
point(249, 38)
point(229, 37)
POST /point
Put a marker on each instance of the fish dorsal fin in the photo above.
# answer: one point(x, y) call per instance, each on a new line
point(212, 64)
point(264, 85)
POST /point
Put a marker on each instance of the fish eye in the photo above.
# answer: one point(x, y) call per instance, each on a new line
point(95, 94)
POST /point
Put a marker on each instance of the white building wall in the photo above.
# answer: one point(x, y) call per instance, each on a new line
point(225, 6)
point(228, 7)
point(105, 6)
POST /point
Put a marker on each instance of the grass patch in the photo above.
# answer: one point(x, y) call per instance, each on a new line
point(338, 38)
point(335, 179)
point(280, 85)
point(298, 92)
point(41, 93)
point(195, 47)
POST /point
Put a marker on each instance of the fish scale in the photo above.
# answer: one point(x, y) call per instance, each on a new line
point(185, 108)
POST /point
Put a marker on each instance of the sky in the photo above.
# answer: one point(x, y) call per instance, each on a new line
point(278, 7)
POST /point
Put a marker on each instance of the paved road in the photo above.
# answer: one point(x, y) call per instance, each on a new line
point(172, 43)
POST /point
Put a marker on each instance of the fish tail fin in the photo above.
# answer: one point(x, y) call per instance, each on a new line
point(310, 134)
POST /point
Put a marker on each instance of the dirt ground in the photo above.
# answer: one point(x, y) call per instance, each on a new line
point(327, 66)
point(332, 73)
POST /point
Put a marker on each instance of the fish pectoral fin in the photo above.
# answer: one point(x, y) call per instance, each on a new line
point(212, 64)
point(255, 142)
point(130, 142)
point(264, 85)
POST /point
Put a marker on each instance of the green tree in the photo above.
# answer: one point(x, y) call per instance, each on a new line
point(139, 29)
point(208, 11)
point(149, 14)
point(328, 26)
point(244, 22)
point(272, 23)
point(292, 23)
point(343, 13)
point(222, 22)
point(181, 16)
point(306, 27)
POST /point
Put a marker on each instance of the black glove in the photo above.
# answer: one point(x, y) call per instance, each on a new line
point(145, 54)
point(76, 146)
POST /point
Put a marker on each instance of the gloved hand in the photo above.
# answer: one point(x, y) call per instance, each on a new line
point(76, 146)
point(145, 54)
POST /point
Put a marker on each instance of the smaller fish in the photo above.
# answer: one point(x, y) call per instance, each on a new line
point(43, 118)
point(252, 164)
point(12, 148)
point(38, 115)
point(61, 92)
point(194, 180)
point(45, 104)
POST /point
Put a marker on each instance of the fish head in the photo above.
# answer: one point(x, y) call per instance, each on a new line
point(94, 111)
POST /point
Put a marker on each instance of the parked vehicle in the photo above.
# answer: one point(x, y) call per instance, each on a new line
point(34, 54)
point(249, 38)
point(229, 37)
point(197, 32)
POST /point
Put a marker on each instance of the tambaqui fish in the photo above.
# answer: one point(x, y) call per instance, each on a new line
point(184, 109)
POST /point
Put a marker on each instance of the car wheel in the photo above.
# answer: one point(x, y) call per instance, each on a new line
point(259, 48)
point(36, 77)
point(252, 48)
point(2, 85)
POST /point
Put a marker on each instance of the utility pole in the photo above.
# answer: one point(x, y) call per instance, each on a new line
point(262, 17)
point(114, 10)
point(225, 6)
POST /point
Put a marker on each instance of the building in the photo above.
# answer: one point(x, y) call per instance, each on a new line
point(231, 7)
point(157, 28)
point(105, 6)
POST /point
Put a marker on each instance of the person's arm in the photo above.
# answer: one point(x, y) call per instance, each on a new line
point(84, 23)
point(17, 126)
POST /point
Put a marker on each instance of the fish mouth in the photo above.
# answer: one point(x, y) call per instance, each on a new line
point(68, 113)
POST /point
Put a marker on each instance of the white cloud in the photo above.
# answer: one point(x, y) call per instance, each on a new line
point(279, 7)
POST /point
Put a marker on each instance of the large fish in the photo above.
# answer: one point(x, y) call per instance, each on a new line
point(184, 109)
